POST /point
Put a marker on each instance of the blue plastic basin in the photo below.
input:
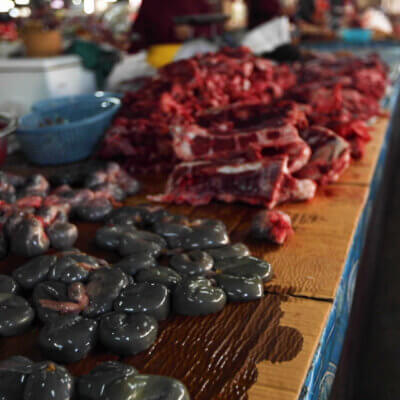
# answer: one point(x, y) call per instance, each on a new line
point(45, 105)
point(84, 123)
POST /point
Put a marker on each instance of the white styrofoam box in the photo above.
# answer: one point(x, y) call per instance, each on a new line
point(23, 81)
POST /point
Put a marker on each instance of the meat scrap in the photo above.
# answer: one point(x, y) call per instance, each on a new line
point(266, 182)
point(78, 300)
point(274, 226)
point(330, 155)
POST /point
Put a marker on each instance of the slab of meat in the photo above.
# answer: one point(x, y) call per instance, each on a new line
point(274, 226)
point(266, 182)
point(196, 143)
point(330, 155)
point(253, 131)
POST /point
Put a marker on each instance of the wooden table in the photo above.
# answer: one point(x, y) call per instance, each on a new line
point(301, 301)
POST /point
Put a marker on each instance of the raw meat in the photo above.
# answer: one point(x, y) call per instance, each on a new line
point(343, 92)
point(231, 111)
point(141, 133)
point(274, 226)
point(343, 111)
point(195, 143)
point(366, 74)
point(251, 131)
point(266, 182)
point(330, 155)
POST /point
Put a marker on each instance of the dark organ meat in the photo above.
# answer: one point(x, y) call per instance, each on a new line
point(82, 300)
point(266, 182)
point(23, 379)
point(330, 155)
point(33, 216)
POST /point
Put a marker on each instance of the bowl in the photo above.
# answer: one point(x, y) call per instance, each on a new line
point(44, 105)
point(67, 133)
point(8, 124)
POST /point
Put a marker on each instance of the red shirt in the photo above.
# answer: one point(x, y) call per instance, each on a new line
point(155, 22)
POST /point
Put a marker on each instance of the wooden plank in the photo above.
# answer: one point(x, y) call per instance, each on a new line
point(285, 380)
point(259, 392)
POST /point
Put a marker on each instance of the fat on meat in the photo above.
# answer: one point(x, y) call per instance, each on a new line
point(266, 182)
point(196, 143)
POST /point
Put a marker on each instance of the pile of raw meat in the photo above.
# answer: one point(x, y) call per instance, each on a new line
point(235, 127)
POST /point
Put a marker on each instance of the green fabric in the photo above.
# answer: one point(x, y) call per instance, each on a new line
point(96, 59)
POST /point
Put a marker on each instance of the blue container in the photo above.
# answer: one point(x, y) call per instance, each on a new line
point(74, 133)
point(44, 105)
point(356, 35)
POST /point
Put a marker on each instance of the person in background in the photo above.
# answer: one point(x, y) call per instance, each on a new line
point(313, 18)
point(314, 11)
point(155, 22)
point(261, 11)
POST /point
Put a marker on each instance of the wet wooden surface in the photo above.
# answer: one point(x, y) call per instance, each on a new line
point(307, 268)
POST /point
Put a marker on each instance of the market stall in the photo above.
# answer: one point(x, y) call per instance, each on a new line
point(286, 344)
point(202, 229)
